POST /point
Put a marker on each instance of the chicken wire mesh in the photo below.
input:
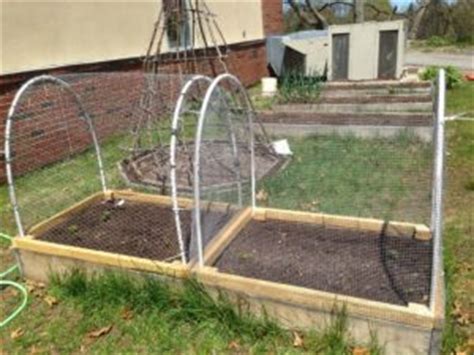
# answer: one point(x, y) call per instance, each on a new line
point(212, 145)
point(73, 136)
point(224, 171)
point(352, 180)
point(385, 179)
point(54, 162)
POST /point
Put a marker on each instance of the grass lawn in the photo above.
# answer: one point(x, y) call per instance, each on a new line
point(459, 224)
point(112, 313)
point(47, 191)
point(380, 178)
point(460, 99)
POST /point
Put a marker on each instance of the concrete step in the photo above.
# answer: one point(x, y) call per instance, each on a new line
point(388, 91)
point(378, 84)
point(383, 99)
point(361, 131)
point(405, 119)
point(359, 107)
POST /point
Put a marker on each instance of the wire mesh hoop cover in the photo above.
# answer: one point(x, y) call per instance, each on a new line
point(226, 116)
point(174, 142)
point(28, 109)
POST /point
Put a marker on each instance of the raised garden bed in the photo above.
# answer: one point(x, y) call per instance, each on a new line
point(297, 268)
point(116, 229)
point(386, 267)
point(355, 119)
point(300, 268)
point(136, 228)
point(143, 170)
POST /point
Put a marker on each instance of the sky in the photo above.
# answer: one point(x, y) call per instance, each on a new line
point(402, 4)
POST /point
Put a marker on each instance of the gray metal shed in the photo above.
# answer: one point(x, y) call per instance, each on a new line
point(362, 51)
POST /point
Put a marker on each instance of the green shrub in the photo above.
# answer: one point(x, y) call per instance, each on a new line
point(438, 41)
point(296, 87)
point(453, 75)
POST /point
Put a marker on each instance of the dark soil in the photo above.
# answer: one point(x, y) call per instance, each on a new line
point(136, 229)
point(218, 166)
point(343, 261)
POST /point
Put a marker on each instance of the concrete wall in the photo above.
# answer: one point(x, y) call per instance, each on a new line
point(37, 35)
point(364, 47)
point(316, 50)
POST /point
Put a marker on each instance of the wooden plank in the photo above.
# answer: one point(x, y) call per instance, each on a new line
point(63, 215)
point(340, 222)
point(168, 201)
point(393, 228)
point(259, 214)
point(423, 232)
point(293, 216)
point(226, 235)
point(308, 299)
point(151, 198)
point(99, 257)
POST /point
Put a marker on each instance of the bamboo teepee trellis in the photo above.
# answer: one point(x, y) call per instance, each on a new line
point(186, 40)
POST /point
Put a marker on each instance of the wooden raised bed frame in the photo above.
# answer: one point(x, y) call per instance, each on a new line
point(401, 330)
point(40, 258)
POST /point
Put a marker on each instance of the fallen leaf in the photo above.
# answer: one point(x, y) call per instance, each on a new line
point(233, 345)
point(50, 300)
point(456, 309)
point(17, 333)
point(34, 350)
point(462, 317)
point(262, 195)
point(35, 288)
point(127, 314)
point(100, 332)
point(360, 351)
point(297, 340)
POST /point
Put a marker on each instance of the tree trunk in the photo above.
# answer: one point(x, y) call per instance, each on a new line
point(358, 11)
point(417, 19)
point(323, 23)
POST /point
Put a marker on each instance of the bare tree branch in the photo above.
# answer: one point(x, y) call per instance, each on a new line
point(417, 19)
point(297, 10)
point(317, 14)
point(334, 3)
point(319, 21)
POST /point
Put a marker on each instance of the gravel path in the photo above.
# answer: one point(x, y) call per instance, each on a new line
point(463, 61)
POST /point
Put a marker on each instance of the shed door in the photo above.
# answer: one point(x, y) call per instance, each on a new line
point(340, 56)
point(388, 44)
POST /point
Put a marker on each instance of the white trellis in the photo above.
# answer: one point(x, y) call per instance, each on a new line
point(177, 116)
point(40, 80)
point(219, 84)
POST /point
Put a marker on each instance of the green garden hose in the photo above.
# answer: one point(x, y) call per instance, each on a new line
point(13, 284)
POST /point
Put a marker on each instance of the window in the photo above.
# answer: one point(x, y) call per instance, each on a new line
point(177, 23)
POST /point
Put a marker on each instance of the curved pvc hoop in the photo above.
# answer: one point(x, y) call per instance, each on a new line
point(198, 140)
point(8, 129)
point(174, 131)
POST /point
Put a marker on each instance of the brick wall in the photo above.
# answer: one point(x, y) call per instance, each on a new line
point(272, 17)
point(109, 98)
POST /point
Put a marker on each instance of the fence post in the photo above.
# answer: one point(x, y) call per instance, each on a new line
point(437, 202)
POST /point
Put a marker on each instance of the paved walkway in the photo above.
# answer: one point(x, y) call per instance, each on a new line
point(463, 61)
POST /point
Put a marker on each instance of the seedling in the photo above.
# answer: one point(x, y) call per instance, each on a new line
point(73, 229)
